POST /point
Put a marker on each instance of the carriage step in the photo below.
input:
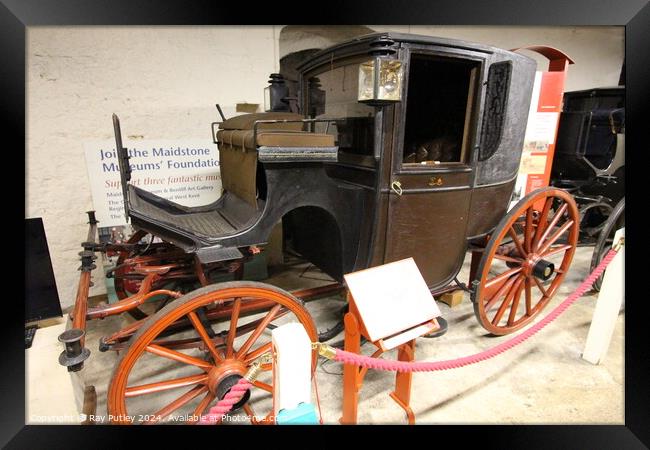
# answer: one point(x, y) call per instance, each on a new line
point(217, 253)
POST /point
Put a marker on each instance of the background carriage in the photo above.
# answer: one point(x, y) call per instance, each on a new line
point(589, 162)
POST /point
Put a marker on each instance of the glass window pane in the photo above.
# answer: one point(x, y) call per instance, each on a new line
point(332, 94)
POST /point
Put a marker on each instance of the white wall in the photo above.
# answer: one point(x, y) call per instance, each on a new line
point(163, 82)
point(597, 51)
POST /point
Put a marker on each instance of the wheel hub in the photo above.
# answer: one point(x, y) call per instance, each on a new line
point(538, 267)
point(543, 269)
point(224, 376)
point(224, 387)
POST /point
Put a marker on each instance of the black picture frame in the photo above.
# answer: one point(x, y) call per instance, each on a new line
point(42, 297)
point(16, 15)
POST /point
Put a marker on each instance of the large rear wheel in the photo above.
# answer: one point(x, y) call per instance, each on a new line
point(152, 370)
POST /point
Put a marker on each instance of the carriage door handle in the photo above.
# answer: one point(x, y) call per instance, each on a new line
point(396, 187)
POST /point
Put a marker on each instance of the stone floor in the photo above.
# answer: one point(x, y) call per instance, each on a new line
point(543, 381)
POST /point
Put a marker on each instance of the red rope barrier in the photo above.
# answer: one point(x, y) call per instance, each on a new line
point(405, 366)
point(218, 411)
point(235, 394)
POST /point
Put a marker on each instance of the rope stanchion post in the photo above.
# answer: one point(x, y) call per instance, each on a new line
point(353, 377)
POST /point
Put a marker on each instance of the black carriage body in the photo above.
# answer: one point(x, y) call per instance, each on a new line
point(590, 152)
point(374, 199)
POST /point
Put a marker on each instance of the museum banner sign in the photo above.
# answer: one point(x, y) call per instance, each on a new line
point(543, 120)
point(183, 171)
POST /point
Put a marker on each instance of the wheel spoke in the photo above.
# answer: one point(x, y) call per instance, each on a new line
point(251, 414)
point(556, 218)
point(528, 231)
point(513, 235)
point(555, 236)
point(506, 302)
point(203, 404)
point(194, 342)
point(251, 356)
point(553, 250)
point(515, 304)
point(264, 386)
point(508, 258)
point(177, 356)
point(501, 278)
point(233, 327)
point(529, 294)
point(258, 331)
point(541, 288)
point(543, 220)
point(164, 385)
point(502, 291)
point(180, 401)
point(196, 322)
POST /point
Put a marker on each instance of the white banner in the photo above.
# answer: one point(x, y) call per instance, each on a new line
point(183, 171)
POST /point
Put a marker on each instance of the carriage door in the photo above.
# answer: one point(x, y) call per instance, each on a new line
point(431, 175)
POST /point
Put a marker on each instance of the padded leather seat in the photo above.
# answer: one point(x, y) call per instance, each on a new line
point(243, 139)
point(238, 153)
point(246, 122)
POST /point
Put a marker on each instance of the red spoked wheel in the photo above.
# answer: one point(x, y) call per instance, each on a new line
point(525, 260)
point(154, 381)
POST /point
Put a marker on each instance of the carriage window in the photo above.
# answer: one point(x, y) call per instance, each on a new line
point(438, 110)
point(332, 94)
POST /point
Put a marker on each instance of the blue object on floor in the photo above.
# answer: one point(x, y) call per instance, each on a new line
point(303, 414)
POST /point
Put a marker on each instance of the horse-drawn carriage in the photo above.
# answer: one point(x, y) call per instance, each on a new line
point(589, 162)
point(405, 146)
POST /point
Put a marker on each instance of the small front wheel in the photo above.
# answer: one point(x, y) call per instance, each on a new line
point(527, 257)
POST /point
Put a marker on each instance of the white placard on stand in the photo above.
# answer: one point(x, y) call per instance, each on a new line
point(392, 298)
point(610, 299)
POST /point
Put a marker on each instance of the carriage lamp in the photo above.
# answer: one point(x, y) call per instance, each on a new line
point(274, 93)
point(380, 81)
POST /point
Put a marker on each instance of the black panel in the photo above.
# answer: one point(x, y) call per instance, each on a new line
point(593, 99)
point(41, 296)
point(315, 234)
point(496, 99)
point(587, 139)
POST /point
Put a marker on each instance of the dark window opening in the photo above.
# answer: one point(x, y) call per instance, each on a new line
point(438, 109)
point(332, 94)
